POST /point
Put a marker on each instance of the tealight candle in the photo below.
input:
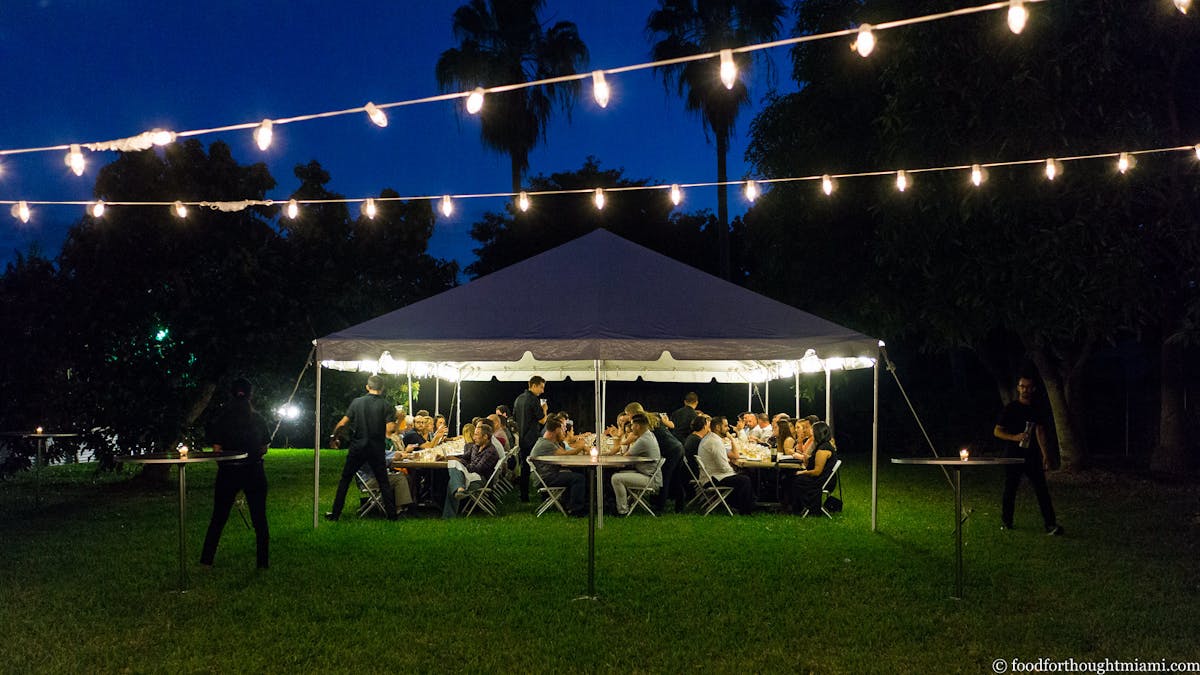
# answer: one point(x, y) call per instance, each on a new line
point(39, 430)
point(183, 452)
point(964, 455)
point(595, 453)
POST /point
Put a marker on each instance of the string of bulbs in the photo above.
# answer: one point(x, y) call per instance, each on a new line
point(864, 44)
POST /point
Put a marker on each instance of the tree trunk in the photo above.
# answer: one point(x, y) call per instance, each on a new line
point(1170, 455)
point(723, 204)
point(1072, 446)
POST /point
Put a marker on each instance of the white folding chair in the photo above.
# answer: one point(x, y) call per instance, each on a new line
point(552, 494)
point(480, 497)
point(638, 494)
point(825, 489)
point(699, 495)
point(371, 497)
point(715, 494)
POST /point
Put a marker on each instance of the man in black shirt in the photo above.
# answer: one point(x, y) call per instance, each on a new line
point(530, 414)
point(682, 418)
point(1022, 425)
point(239, 429)
point(691, 447)
point(367, 417)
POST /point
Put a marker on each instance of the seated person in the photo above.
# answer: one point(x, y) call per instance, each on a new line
point(762, 431)
point(575, 496)
point(422, 436)
point(786, 442)
point(714, 459)
point(471, 470)
point(571, 440)
point(440, 424)
point(806, 485)
point(395, 430)
point(745, 422)
point(644, 445)
point(396, 479)
point(500, 433)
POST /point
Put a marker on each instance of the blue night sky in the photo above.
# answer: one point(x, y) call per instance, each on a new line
point(87, 70)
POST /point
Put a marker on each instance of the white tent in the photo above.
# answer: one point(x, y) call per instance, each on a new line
point(603, 308)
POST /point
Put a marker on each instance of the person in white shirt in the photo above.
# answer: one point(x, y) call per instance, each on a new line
point(763, 431)
point(715, 460)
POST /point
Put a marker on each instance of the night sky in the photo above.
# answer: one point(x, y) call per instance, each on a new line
point(86, 70)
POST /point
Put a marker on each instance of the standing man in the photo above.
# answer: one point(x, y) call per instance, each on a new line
point(530, 412)
point(239, 429)
point(1022, 425)
point(367, 418)
point(682, 418)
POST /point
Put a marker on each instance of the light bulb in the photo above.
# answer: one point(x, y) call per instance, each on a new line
point(1017, 15)
point(1053, 168)
point(162, 137)
point(475, 101)
point(293, 209)
point(978, 175)
point(1183, 5)
point(98, 209)
point(447, 206)
point(676, 195)
point(865, 43)
point(1198, 151)
point(263, 134)
point(751, 190)
point(600, 88)
point(598, 198)
point(20, 211)
point(902, 180)
point(728, 69)
point(74, 159)
point(180, 210)
point(369, 208)
point(377, 116)
point(1124, 162)
point(523, 201)
point(827, 184)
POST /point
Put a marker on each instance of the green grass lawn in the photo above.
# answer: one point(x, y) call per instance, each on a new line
point(86, 583)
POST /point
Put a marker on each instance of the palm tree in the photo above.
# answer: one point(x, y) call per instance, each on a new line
point(686, 27)
point(503, 42)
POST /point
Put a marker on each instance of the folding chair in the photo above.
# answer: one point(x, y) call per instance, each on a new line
point(826, 489)
point(699, 494)
point(715, 494)
point(371, 498)
point(552, 494)
point(638, 494)
point(480, 497)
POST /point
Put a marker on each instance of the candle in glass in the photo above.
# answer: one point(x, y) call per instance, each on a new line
point(964, 455)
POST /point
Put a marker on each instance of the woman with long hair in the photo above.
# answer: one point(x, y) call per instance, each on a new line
point(806, 486)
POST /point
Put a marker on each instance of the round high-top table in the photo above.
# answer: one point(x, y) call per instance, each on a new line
point(182, 462)
point(595, 468)
point(40, 440)
point(957, 465)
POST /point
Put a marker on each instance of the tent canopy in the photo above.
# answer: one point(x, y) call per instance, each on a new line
point(599, 297)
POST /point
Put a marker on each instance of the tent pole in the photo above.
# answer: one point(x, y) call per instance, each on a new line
point(410, 408)
point(601, 390)
point(317, 454)
point(828, 400)
point(437, 395)
point(458, 396)
point(767, 401)
point(749, 396)
point(797, 394)
point(875, 449)
point(603, 404)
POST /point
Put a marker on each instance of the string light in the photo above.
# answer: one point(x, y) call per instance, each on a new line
point(728, 69)
point(20, 211)
point(1125, 162)
point(293, 209)
point(751, 190)
point(901, 180)
point(1053, 168)
point(600, 88)
point(180, 210)
point(369, 208)
point(598, 198)
point(1183, 5)
point(161, 137)
point(263, 134)
point(977, 175)
point(98, 209)
point(676, 194)
point(1017, 16)
point(475, 101)
point(74, 159)
point(1198, 151)
point(864, 44)
point(377, 116)
point(447, 206)
point(523, 201)
point(827, 184)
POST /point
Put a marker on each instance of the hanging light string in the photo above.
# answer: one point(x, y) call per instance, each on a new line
point(1124, 161)
point(475, 97)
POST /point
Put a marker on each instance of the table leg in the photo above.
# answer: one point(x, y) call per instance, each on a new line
point(37, 472)
point(958, 570)
point(183, 576)
point(597, 496)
